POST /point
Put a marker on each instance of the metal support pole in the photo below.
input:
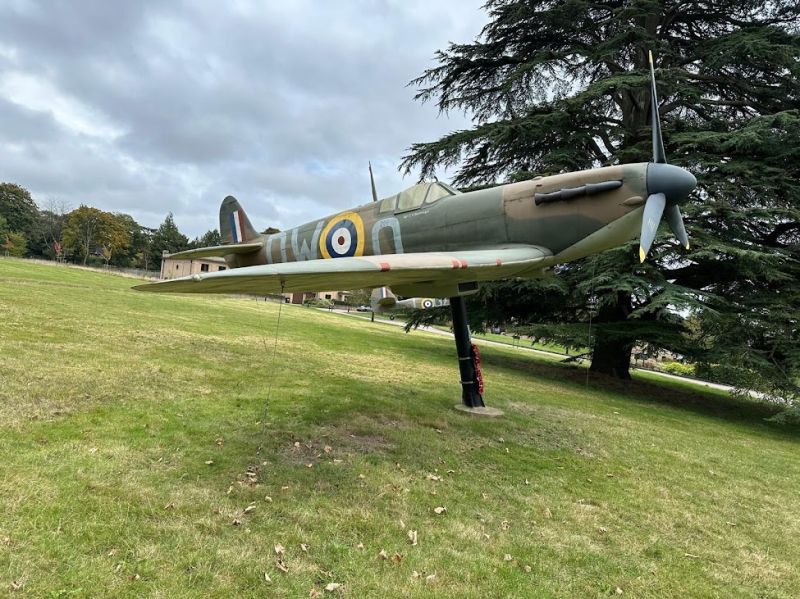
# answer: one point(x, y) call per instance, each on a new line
point(466, 361)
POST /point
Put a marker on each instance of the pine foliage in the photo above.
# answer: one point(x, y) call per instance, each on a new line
point(559, 86)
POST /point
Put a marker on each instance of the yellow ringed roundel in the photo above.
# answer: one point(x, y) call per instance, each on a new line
point(343, 236)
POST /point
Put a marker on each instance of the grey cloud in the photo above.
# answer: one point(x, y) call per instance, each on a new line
point(281, 104)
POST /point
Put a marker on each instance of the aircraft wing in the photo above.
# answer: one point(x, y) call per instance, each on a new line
point(219, 250)
point(364, 272)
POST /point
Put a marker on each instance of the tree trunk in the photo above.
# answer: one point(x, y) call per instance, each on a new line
point(611, 351)
point(612, 357)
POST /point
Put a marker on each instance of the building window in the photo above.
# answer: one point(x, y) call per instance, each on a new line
point(204, 268)
point(177, 266)
point(222, 267)
point(327, 296)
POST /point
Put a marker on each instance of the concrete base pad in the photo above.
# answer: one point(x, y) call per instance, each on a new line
point(486, 412)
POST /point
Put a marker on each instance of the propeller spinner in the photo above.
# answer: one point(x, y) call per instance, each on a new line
point(667, 185)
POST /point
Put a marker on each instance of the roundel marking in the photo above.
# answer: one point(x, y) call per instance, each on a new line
point(343, 236)
point(427, 303)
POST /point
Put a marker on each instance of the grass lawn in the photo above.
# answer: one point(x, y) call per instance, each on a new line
point(140, 458)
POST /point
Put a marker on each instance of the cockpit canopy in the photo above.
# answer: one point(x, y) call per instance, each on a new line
point(416, 196)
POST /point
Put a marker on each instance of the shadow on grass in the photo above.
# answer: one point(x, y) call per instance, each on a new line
point(751, 412)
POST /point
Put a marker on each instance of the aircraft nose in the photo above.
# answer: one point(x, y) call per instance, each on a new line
point(673, 181)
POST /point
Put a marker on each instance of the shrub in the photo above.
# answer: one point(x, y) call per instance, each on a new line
point(678, 368)
point(318, 303)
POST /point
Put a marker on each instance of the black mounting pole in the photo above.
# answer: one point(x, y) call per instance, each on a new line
point(470, 394)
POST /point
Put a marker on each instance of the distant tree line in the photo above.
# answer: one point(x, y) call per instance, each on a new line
point(86, 235)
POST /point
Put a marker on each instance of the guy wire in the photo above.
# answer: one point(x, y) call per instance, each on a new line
point(272, 360)
point(591, 313)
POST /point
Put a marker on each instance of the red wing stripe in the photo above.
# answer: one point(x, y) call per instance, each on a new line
point(499, 262)
point(456, 264)
point(385, 266)
point(463, 264)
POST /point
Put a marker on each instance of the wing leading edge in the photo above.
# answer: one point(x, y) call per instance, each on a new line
point(363, 272)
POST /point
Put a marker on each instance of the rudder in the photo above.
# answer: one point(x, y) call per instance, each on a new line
point(234, 226)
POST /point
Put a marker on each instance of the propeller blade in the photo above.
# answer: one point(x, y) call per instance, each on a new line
point(675, 221)
point(653, 209)
point(659, 156)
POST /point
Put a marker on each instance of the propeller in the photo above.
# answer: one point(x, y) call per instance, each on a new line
point(667, 185)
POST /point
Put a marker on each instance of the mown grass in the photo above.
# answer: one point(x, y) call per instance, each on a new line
point(136, 431)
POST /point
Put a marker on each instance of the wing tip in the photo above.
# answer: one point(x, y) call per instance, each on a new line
point(642, 254)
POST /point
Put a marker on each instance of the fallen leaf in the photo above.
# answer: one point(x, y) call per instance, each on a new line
point(285, 488)
point(526, 568)
point(169, 506)
point(93, 450)
point(527, 482)
point(304, 547)
point(314, 593)
point(236, 522)
point(279, 549)
point(297, 443)
point(361, 476)
point(327, 449)
point(209, 462)
point(547, 513)
point(267, 578)
point(414, 575)
point(402, 525)
point(602, 530)
point(383, 554)
point(430, 579)
point(397, 557)
point(219, 440)
point(17, 585)
point(691, 555)
point(439, 510)
point(451, 472)
point(507, 557)
point(309, 465)
point(504, 525)
point(412, 536)
point(360, 546)
point(618, 591)
point(433, 477)
point(485, 536)
point(281, 566)
point(332, 586)
point(230, 490)
point(268, 499)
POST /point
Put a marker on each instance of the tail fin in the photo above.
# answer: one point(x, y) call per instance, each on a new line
point(234, 226)
point(382, 299)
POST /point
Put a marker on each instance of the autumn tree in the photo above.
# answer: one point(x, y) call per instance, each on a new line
point(90, 231)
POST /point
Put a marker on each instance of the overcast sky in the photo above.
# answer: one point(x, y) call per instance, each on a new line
point(148, 107)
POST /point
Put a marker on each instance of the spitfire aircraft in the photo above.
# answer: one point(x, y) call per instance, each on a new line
point(383, 300)
point(432, 240)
